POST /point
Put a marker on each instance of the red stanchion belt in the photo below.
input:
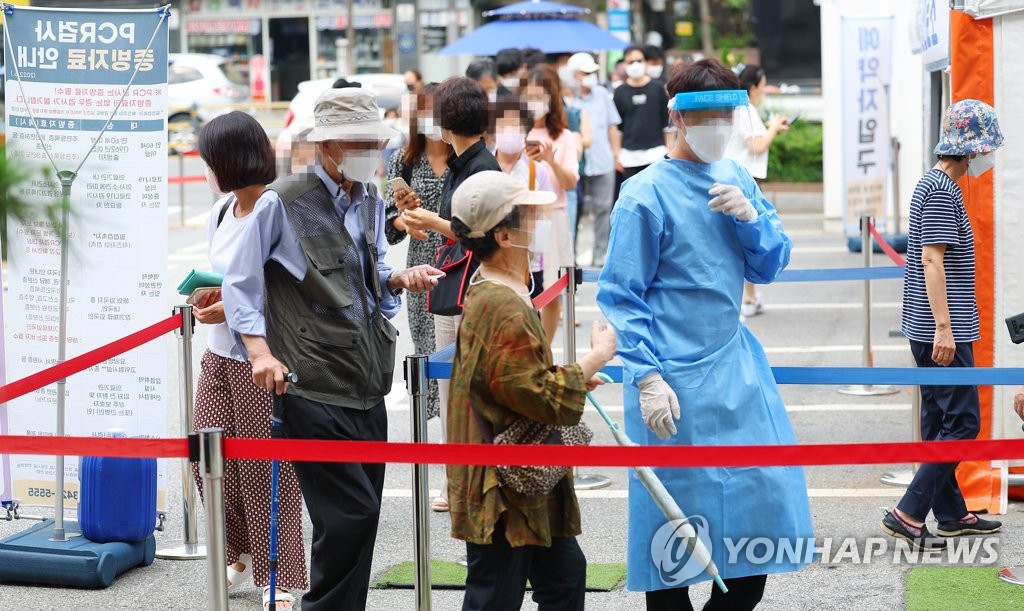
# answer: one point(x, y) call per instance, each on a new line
point(555, 455)
point(551, 293)
point(84, 361)
point(888, 250)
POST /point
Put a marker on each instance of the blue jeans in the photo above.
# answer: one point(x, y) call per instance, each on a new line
point(947, 412)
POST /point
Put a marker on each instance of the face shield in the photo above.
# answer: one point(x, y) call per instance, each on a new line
point(707, 118)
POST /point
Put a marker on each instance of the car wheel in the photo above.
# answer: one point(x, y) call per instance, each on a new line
point(182, 132)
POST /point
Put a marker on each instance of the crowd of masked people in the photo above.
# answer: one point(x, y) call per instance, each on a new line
point(487, 177)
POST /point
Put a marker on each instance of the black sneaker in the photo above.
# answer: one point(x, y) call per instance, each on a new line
point(920, 538)
point(972, 525)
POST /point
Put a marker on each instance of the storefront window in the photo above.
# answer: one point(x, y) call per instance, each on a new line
point(236, 38)
point(374, 43)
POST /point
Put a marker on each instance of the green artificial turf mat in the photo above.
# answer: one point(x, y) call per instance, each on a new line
point(961, 589)
point(446, 575)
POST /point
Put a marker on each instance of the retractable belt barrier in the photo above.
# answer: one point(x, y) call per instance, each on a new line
point(308, 450)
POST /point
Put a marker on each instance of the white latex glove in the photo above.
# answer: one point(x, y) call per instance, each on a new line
point(730, 200)
point(658, 405)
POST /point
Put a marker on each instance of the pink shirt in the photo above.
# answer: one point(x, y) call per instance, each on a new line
point(567, 155)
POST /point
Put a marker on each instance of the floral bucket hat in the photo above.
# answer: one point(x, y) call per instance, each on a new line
point(969, 127)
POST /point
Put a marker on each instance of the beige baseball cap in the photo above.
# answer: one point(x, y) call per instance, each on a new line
point(485, 198)
point(348, 114)
point(582, 62)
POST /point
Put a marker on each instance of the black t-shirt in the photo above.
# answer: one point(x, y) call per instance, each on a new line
point(474, 159)
point(644, 112)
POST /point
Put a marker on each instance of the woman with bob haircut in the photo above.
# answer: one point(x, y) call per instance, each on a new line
point(240, 162)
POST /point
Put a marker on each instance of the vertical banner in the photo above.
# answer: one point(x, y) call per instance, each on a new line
point(867, 59)
point(619, 20)
point(68, 74)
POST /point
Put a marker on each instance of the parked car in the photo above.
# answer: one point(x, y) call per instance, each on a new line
point(199, 87)
point(388, 89)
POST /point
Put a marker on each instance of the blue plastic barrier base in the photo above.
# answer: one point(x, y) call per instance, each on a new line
point(898, 241)
point(30, 557)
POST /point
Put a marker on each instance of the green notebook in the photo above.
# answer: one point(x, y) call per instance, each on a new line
point(198, 279)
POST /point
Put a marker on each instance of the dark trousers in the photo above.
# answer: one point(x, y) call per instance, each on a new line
point(497, 574)
point(343, 500)
point(744, 594)
point(947, 412)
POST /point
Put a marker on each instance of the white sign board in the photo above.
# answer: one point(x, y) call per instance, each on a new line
point(866, 68)
point(932, 40)
point(67, 85)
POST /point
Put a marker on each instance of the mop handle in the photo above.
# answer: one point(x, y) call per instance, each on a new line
point(600, 410)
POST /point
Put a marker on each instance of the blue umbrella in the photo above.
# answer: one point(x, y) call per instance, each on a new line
point(536, 7)
point(548, 35)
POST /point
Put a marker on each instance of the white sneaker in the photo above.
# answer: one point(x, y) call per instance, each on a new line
point(748, 309)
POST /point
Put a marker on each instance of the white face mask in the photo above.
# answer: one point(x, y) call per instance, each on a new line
point(509, 142)
point(511, 83)
point(708, 141)
point(589, 81)
point(539, 238)
point(427, 127)
point(359, 166)
point(980, 164)
point(537, 109)
point(211, 179)
point(636, 69)
point(655, 71)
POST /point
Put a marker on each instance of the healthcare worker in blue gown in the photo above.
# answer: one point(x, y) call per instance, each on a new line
point(686, 232)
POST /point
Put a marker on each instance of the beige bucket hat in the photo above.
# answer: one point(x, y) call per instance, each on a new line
point(348, 114)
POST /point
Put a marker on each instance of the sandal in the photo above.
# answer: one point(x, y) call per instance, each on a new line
point(281, 597)
point(439, 505)
point(237, 578)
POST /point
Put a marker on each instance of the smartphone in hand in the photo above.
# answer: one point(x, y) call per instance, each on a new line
point(533, 144)
point(793, 118)
point(397, 184)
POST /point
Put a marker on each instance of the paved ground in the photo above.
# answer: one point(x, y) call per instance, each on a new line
point(805, 324)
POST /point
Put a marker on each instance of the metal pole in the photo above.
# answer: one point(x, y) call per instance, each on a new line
point(66, 179)
point(190, 549)
point(903, 478)
point(211, 465)
point(579, 481)
point(181, 185)
point(896, 185)
point(416, 385)
point(866, 356)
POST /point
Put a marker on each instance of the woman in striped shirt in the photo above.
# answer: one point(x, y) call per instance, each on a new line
point(940, 318)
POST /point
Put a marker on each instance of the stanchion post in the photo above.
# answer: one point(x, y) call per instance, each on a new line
point(580, 482)
point(190, 549)
point(416, 385)
point(211, 466)
point(181, 186)
point(67, 178)
point(866, 356)
point(903, 478)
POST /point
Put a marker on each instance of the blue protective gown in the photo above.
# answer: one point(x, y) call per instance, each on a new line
point(671, 287)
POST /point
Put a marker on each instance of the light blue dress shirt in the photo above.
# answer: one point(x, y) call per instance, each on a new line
point(602, 113)
point(269, 236)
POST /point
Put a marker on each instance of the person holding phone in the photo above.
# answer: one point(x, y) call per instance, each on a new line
point(748, 146)
point(416, 176)
point(551, 144)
